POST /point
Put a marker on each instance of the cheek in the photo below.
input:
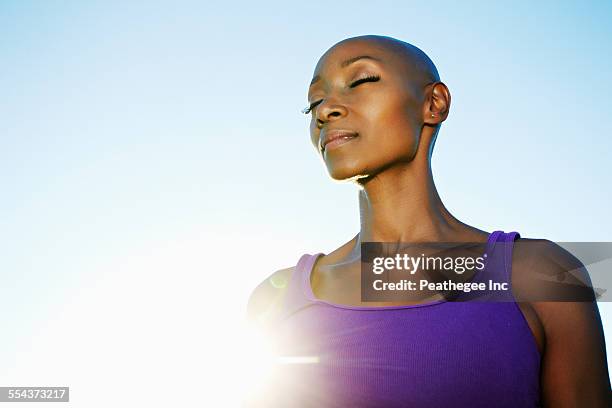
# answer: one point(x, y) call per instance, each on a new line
point(314, 133)
point(393, 126)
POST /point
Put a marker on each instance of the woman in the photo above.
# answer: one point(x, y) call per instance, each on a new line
point(377, 104)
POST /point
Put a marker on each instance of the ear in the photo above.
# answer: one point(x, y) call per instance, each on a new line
point(437, 104)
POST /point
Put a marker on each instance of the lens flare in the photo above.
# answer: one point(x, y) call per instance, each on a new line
point(259, 367)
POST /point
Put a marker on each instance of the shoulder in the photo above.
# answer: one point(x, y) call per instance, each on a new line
point(265, 300)
point(545, 271)
point(557, 285)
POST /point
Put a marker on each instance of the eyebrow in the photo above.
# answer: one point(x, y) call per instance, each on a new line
point(346, 63)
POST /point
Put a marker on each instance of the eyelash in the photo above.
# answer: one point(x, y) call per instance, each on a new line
point(369, 78)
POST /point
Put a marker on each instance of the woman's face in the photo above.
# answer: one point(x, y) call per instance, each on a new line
point(364, 91)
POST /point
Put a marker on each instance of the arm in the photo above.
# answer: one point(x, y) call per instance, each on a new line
point(574, 368)
point(574, 371)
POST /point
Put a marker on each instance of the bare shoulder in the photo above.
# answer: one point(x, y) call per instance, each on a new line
point(267, 297)
point(557, 285)
point(545, 271)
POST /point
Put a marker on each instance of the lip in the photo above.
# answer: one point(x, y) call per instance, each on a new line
point(336, 137)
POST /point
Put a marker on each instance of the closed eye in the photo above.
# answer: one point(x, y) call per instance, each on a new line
point(309, 109)
point(370, 78)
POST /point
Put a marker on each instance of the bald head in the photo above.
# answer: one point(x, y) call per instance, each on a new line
point(417, 66)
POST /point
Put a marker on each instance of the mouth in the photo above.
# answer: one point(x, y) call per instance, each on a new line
point(337, 138)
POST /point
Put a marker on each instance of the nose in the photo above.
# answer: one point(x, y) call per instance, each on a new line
point(330, 110)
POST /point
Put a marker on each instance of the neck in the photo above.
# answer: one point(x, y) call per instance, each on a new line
point(401, 204)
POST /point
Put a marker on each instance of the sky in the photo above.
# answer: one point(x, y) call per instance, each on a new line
point(155, 167)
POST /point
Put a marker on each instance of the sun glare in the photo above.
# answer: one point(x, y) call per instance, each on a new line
point(258, 366)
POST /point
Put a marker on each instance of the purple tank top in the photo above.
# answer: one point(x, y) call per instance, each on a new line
point(437, 354)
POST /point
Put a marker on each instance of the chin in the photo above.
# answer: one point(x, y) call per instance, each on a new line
point(347, 173)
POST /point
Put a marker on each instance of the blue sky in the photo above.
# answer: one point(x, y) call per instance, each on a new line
point(155, 164)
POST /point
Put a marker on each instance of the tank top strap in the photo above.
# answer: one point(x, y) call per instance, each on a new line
point(499, 263)
point(493, 255)
point(509, 239)
point(295, 298)
point(495, 237)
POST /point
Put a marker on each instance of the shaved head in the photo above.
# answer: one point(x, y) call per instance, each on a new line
point(416, 64)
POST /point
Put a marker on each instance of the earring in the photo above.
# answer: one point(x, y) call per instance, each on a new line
point(433, 115)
